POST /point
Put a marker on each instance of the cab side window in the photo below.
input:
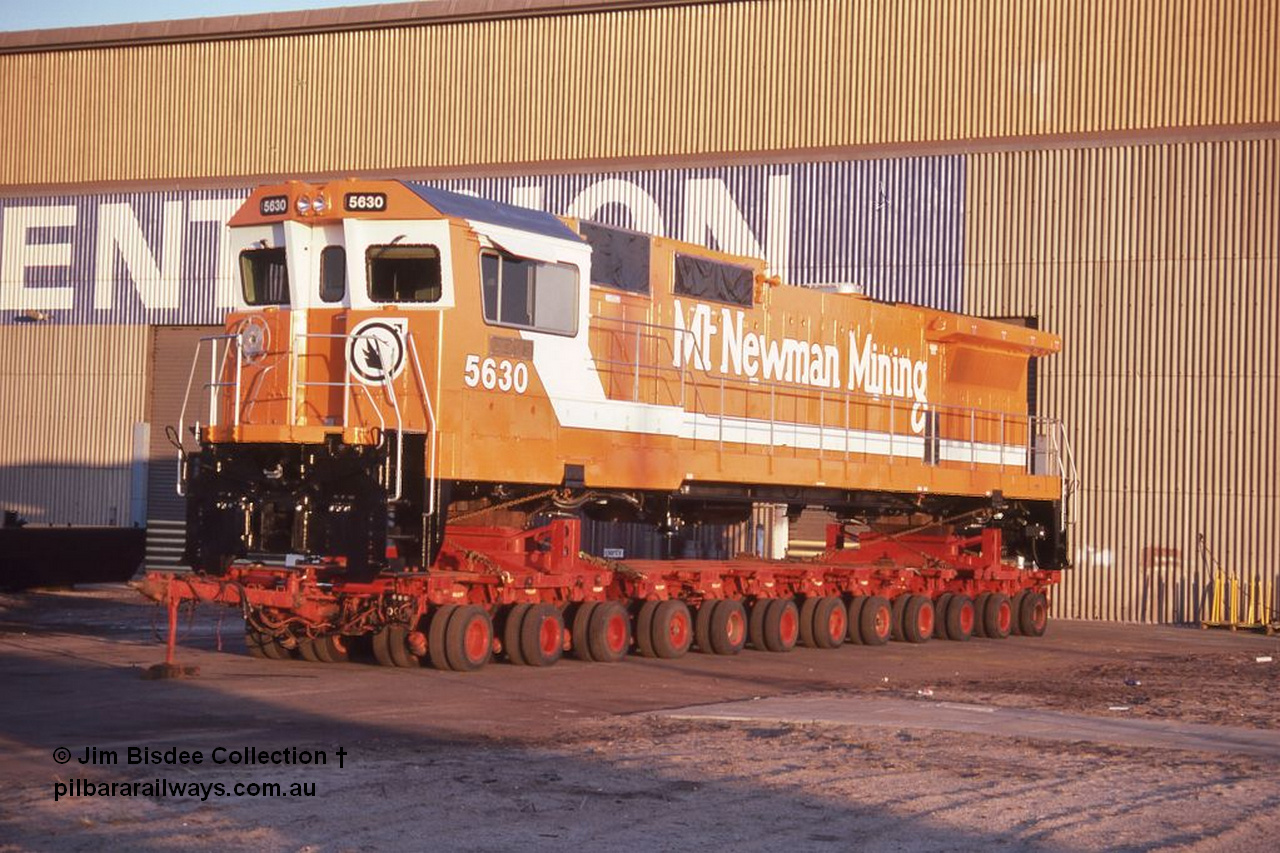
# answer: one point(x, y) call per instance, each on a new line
point(529, 294)
point(333, 273)
point(264, 277)
point(399, 273)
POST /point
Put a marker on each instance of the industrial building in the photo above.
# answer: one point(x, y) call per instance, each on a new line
point(1110, 172)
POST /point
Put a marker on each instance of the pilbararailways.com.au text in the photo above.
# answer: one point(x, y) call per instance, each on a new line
point(221, 756)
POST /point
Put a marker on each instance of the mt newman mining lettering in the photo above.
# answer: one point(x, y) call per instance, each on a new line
point(749, 354)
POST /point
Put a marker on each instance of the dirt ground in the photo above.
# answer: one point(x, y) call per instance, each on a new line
point(587, 756)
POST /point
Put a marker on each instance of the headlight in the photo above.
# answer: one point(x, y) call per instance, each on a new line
point(319, 205)
point(304, 205)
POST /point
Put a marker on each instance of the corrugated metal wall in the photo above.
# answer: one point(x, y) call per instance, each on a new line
point(71, 398)
point(1160, 267)
point(727, 78)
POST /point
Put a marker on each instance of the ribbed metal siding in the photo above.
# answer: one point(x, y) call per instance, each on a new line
point(1160, 267)
point(703, 78)
point(891, 228)
point(101, 231)
point(70, 398)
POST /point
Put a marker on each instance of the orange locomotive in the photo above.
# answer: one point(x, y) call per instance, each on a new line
point(403, 354)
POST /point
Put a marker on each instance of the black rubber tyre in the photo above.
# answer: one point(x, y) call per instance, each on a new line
point(437, 636)
point(1034, 614)
point(918, 619)
point(807, 607)
point(398, 646)
point(672, 629)
point(854, 612)
point(468, 641)
point(381, 651)
point(830, 623)
point(875, 622)
point(511, 632)
point(728, 627)
point(609, 632)
point(899, 604)
point(332, 648)
point(262, 645)
point(940, 615)
point(542, 635)
point(980, 614)
point(998, 616)
point(307, 650)
point(961, 616)
point(781, 625)
point(580, 642)
point(755, 625)
point(1015, 608)
point(702, 626)
point(644, 629)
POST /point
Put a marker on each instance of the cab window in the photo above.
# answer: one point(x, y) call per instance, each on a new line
point(333, 273)
point(399, 273)
point(529, 294)
point(264, 277)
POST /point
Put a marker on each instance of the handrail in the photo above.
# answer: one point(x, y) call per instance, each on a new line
point(672, 336)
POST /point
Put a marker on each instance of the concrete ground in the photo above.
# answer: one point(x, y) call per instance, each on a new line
point(1093, 737)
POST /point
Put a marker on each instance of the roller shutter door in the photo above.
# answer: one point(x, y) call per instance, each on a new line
point(172, 351)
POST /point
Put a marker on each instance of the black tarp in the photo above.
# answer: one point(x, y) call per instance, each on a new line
point(706, 279)
point(619, 258)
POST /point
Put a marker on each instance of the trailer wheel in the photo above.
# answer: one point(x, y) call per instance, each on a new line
point(876, 621)
point(398, 646)
point(728, 627)
point(940, 605)
point(672, 629)
point(918, 619)
point(580, 641)
point(644, 629)
point(895, 628)
point(1033, 616)
point(381, 651)
point(807, 608)
point(609, 632)
point(332, 648)
point(961, 617)
point(998, 616)
point(307, 650)
point(438, 637)
point(781, 625)
point(468, 638)
point(542, 635)
point(263, 645)
point(980, 614)
point(855, 618)
point(1015, 610)
point(830, 623)
point(702, 626)
point(755, 625)
point(511, 632)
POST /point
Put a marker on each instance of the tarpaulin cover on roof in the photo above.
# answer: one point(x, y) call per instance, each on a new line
point(493, 212)
point(619, 258)
point(707, 279)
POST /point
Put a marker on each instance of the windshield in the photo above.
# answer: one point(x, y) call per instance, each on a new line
point(264, 277)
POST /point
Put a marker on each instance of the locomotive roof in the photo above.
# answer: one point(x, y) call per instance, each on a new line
point(493, 212)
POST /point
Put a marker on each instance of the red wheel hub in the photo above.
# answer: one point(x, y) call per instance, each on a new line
point(549, 637)
point(476, 640)
point(736, 628)
point(925, 621)
point(837, 625)
point(679, 629)
point(789, 626)
point(882, 622)
point(1004, 616)
point(966, 618)
point(615, 633)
